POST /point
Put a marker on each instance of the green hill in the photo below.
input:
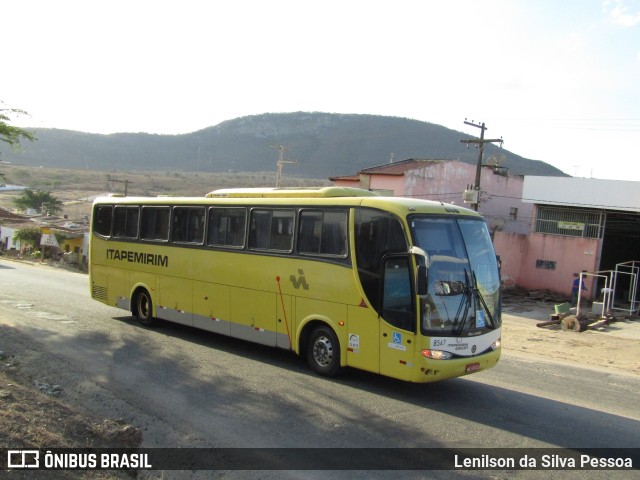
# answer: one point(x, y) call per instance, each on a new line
point(323, 144)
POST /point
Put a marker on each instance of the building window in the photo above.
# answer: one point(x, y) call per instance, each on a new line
point(513, 213)
point(570, 222)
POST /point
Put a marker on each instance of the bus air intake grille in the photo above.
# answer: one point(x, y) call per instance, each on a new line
point(99, 293)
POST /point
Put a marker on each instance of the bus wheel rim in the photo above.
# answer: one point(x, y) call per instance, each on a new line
point(323, 351)
point(143, 309)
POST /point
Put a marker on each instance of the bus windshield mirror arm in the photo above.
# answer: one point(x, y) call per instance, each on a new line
point(414, 250)
point(422, 271)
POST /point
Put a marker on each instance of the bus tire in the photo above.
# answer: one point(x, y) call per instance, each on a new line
point(143, 308)
point(323, 351)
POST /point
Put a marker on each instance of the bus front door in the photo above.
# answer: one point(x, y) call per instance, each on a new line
point(398, 322)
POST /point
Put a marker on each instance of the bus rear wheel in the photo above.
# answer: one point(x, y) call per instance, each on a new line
point(323, 352)
point(144, 308)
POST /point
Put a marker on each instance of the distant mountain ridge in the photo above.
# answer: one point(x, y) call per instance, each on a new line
point(323, 144)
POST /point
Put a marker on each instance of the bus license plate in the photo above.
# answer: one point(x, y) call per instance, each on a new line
point(472, 367)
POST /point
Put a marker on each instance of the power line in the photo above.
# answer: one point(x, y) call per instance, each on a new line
point(591, 124)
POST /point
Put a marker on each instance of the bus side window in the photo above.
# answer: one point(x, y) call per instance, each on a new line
point(271, 230)
point(188, 225)
point(226, 227)
point(281, 230)
point(102, 220)
point(377, 233)
point(260, 229)
point(154, 224)
point(195, 231)
point(309, 232)
point(236, 227)
point(126, 222)
point(334, 238)
point(323, 233)
point(397, 303)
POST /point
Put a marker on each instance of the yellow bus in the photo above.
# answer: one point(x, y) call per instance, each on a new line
point(403, 287)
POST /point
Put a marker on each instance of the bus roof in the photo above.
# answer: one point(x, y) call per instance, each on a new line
point(326, 196)
point(295, 192)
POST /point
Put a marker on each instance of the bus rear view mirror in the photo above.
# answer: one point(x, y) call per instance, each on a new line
point(421, 281)
point(448, 288)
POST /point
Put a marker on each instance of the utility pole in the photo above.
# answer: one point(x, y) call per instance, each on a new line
point(281, 162)
point(480, 144)
point(125, 181)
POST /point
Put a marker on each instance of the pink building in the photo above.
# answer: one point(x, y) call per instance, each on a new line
point(446, 181)
point(579, 224)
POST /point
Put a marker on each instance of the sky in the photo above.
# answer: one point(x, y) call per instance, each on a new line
point(558, 81)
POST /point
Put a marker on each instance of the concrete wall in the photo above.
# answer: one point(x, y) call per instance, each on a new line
point(6, 238)
point(540, 261)
point(388, 182)
point(510, 247)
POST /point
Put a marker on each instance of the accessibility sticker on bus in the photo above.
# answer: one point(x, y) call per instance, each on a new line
point(397, 342)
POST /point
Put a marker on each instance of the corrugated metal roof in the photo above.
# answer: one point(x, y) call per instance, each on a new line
point(12, 217)
point(353, 178)
point(582, 192)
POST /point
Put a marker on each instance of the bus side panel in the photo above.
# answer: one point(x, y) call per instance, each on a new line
point(284, 326)
point(99, 284)
point(253, 315)
point(174, 300)
point(363, 348)
point(211, 307)
point(397, 349)
point(118, 286)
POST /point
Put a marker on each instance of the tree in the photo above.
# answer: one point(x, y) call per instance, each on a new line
point(40, 201)
point(10, 134)
point(28, 236)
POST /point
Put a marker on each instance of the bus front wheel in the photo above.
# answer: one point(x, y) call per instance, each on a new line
point(144, 308)
point(323, 352)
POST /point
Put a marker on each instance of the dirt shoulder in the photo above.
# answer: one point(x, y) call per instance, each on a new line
point(614, 347)
point(38, 414)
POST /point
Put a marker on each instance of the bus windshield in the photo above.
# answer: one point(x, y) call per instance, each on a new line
point(463, 295)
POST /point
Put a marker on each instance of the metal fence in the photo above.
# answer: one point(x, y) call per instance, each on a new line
point(570, 222)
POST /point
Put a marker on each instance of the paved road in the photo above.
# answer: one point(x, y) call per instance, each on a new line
point(190, 388)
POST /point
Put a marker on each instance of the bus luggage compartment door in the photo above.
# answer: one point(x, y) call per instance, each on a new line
point(253, 315)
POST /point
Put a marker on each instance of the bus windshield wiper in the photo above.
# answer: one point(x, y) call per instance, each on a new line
point(466, 302)
point(479, 296)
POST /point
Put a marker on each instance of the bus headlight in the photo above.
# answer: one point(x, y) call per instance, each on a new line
point(435, 354)
point(497, 344)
